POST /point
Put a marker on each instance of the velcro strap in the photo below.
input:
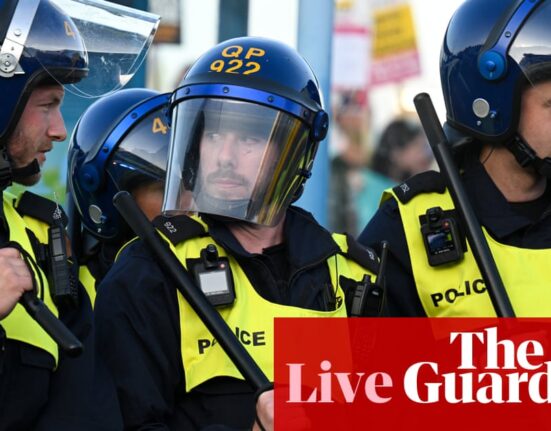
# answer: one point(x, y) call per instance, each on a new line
point(362, 255)
point(426, 182)
point(179, 228)
point(39, 208)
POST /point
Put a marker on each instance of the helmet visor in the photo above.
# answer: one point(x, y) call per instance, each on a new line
point(105, 41)
point(141, 156)
point(531, 49)
point(234, 159)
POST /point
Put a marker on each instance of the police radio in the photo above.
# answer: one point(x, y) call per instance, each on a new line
point(368, 296)
point(213, 275)
point(441, 238)
point(62, 285)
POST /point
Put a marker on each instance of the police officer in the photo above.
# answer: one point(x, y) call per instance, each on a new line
point(246, 123)
point(119, 143)
point(42, 50)
point(495, 71)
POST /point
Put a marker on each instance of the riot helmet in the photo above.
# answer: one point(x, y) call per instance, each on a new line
point(119, 143)
point(92, 47)
point(493, 50)
point(246, 122)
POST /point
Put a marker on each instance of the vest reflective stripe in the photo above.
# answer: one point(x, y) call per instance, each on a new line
point(18, 324)
point(458, 289)
point(250, 317)
point(88, 281)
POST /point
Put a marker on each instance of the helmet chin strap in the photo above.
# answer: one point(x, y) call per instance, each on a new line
point(526, 156)
point(26, 171)
point(305, 174)
point(5, 170)
point(8, 174)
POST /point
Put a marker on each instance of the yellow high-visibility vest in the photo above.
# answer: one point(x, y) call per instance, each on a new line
point(457, 289)
point(251, 317)
point(18, 325)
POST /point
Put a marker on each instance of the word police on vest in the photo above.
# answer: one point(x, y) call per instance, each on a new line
point(256, 338)
point(477, 286)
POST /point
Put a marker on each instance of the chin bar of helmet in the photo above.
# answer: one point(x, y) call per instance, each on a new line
point(164, 257)
point(8, 174)
point(477, 241)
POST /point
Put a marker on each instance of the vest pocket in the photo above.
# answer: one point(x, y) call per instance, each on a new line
point(33, 357)
point(24, 384)
point(222, 400)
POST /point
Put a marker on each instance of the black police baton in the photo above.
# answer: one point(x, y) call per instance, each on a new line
point(47, 320)
point(55, 328)
point(479, 245)
point(141, 226)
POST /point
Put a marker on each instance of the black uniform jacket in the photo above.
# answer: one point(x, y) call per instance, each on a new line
point(99, 258)
point(526, 225)
point(139, 330)
point(77, 395)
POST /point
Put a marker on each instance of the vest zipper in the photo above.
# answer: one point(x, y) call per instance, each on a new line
point(330, 287)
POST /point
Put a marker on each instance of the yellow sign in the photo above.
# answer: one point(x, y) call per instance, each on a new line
point(394, 32)
point(345, 4)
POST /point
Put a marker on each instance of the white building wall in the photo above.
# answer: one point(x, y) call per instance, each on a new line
point(278, 19)
point(199, 26)
point(274, 19)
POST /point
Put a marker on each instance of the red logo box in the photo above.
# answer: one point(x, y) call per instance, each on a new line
point(413, 373)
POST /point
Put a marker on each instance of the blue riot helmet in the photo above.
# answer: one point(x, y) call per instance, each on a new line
point(64, 42)
point(246, 120)
point(119, 143)
point(494, 50)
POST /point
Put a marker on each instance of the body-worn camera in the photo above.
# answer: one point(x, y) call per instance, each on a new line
point(441, 238)
point(213, 275)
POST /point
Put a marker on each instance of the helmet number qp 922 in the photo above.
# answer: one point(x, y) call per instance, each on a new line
point(241, 61)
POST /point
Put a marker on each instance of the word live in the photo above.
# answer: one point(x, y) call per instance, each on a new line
point(506, 372)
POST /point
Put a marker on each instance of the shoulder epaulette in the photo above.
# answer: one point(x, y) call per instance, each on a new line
point(425, 182)
point(39, 208)
point(362, 255)
point(179, 228)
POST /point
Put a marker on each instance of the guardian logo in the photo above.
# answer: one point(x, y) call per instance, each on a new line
point(415, 374)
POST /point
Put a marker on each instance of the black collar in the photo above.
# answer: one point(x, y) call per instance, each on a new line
point(306, 241)
point(491, 207)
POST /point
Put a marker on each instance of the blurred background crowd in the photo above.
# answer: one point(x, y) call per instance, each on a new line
point(371, 56)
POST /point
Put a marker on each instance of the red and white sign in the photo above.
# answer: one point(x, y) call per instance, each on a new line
point(413, 373)
point(395, 56)
point(351, 58)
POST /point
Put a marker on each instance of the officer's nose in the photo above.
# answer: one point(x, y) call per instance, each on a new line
point(56, 129)
point(227, 150)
